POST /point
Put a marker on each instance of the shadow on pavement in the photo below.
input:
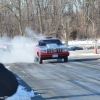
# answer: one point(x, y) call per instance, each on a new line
point(28, 89)
point(83, 59)
point(71, 96)
point(74, 60)
point(92, 92)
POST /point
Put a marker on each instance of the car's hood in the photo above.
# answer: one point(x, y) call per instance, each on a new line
point(52, 46)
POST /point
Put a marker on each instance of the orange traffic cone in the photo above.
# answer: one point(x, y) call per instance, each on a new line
point(95, 49)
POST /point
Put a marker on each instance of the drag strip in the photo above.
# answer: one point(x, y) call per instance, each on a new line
point(79, 79)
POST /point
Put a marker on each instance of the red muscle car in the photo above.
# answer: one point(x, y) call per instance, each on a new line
point(50, 48)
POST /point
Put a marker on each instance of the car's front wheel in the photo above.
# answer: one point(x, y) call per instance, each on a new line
point(40, 60)
point(66, 59)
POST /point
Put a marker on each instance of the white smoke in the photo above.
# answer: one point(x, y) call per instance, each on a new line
point(32, 34)
point(22, 47)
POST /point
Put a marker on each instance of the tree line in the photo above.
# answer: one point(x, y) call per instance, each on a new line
point(74, 19)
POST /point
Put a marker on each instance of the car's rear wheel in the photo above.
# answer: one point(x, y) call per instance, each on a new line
point(66, 59)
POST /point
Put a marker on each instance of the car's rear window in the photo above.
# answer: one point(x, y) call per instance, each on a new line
point(44, 42)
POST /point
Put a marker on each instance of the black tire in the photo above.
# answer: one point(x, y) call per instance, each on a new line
point(66, 59)
point(40, 60)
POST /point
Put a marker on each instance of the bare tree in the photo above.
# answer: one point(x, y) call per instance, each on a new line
point(57, 18)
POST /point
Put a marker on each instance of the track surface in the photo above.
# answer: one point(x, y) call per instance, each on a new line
point(79, 79)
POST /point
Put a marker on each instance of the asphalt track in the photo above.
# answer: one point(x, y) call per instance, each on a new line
point(78, 79)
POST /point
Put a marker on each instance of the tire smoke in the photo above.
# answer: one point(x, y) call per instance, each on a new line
point(20, 48)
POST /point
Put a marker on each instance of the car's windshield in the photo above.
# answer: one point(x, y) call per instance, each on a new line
point(44, 42)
